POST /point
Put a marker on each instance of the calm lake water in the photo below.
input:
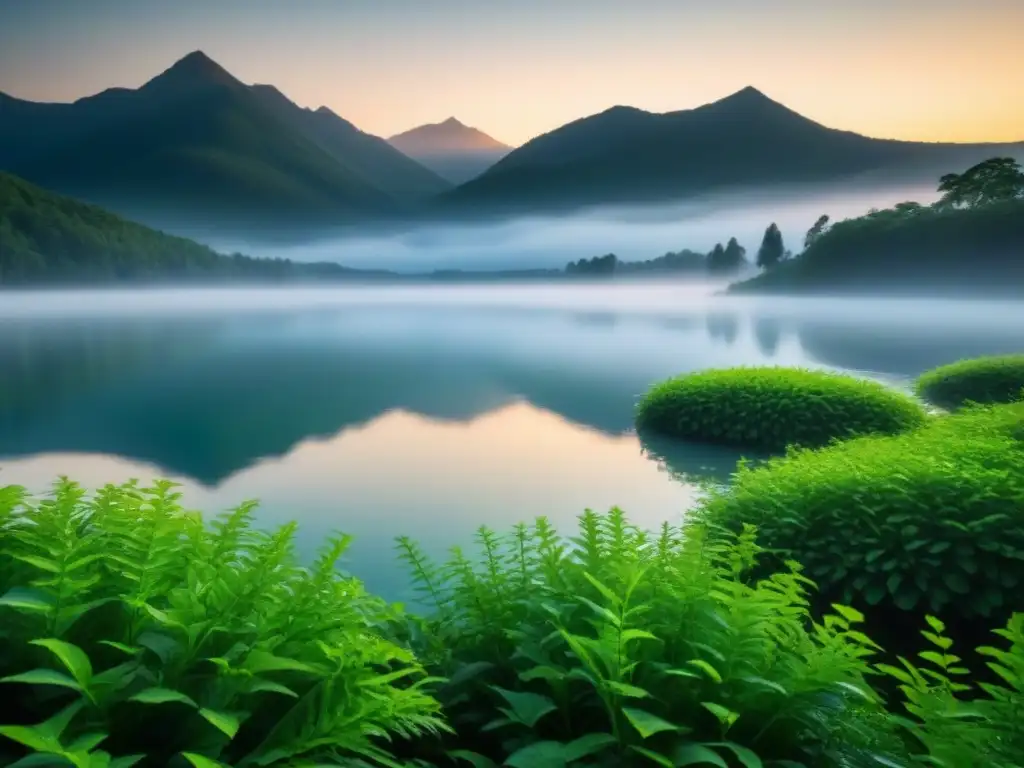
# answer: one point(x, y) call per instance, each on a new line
point(425, 411)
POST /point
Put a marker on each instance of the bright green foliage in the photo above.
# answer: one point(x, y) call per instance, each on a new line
point(985, 380)
point(130, 628)
point(954, 723)
point(773, 407)
point(930, 520)
point(621, 648)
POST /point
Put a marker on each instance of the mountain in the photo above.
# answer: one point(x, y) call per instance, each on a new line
point(46, 238)
point(196, 145)
point(744, 140)
point(451, 149)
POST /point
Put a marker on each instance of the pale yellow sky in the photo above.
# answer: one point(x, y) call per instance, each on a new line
point(934, 70)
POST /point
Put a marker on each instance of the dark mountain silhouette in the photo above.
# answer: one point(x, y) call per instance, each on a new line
point(745, 140)
point(196, 144)
point(451, 149)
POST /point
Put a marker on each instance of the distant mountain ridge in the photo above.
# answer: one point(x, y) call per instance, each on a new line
point(196, 143)
point(451, 149)
point(625, 154)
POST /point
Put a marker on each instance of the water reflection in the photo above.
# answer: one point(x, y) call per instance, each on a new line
point(400, 412)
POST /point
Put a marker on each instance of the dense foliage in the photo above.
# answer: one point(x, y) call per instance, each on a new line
point(771, 408)
point(622, 648)
point(995, 379)
point(133, 633)
point(930, 520)
point(48, 238)
point(972, 239)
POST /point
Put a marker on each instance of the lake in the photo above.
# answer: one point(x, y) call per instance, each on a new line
point(419, 410)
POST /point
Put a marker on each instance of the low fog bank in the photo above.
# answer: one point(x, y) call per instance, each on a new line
point(632, 233)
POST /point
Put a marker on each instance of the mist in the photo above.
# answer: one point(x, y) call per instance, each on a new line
point(633, 233)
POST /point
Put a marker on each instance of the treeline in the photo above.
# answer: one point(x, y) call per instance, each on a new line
point(47, 238)
point(726, 259)
point(971, 238)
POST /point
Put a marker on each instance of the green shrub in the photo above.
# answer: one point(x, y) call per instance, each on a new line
point(127, 623)
point(958, 724)
point(984, 380)
point(772, 408)
point(929, 520)
point(621, 648)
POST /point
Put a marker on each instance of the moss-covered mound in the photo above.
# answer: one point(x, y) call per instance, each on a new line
point(996, 379)
point(771, 408)
point(932, 520)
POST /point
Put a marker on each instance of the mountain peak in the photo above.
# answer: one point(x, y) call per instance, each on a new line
point(195, 68)
point(452, 122)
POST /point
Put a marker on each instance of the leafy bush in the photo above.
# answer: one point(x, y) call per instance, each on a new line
point(771, 408)
point(128, 623)
point(622, 648)
point(930, 520)
point(984, 380)
point(954, 724)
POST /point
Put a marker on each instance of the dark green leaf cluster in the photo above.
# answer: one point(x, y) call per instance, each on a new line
point(928, 520)
point(772, 408)
point(984, 380)
point(958, 724)
point(135, 633)
point(623, 648)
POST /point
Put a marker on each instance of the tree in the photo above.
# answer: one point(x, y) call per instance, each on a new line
point(728, 259)
point(816, 231)
point(990, 181)
point(772, 249)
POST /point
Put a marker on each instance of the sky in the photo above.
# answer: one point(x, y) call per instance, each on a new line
point(932, 70)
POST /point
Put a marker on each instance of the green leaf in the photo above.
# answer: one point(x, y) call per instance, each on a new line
point(71, 656)
point(725, 715)
point(31, 736)
point(696, 754)
point(747, 757)
point(202, 762)
point(261, 661)
point(43, 677)
point(163, 696)
point(127, 761)
point(225, 722)
point(87, 742)
point(24, 599)
point(625, 689)
point(705, 667)
point(476, 760)
point(651, 755)
point(956, 582)
point(130, 650)
point(527, 708)
point(541, 754)
point(645, 723)
point(268, 686)
point(852, 615)
point(587, 745)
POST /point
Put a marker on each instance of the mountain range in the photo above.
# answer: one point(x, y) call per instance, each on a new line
point(744, 140)
point(451, 149)
point(195, 144)
point(195, 150)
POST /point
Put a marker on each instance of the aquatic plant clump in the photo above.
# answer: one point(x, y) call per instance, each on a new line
point(932, 520)
point(771, 408)
point(133, 632)
point(984, 380)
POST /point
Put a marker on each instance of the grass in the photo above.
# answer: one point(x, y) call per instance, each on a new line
point(133, 633)
point(771, 408)
point(984, 380)
point(931, 520)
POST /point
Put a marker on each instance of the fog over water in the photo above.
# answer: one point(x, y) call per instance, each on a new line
point(632, 233)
